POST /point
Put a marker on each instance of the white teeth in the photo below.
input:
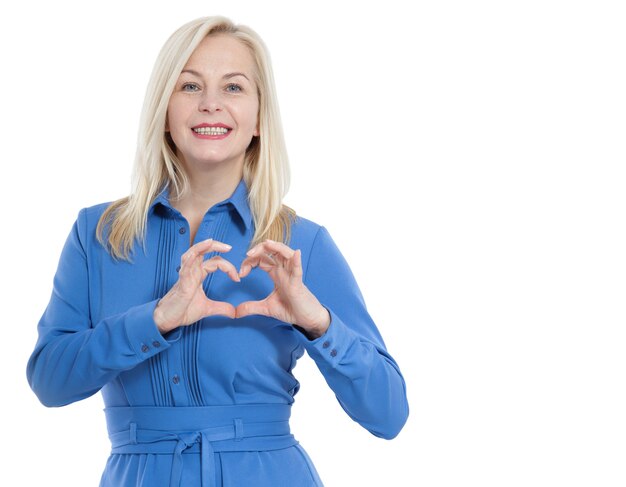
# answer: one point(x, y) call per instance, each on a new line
point(210, 130)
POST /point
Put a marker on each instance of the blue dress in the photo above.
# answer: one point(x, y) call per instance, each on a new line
point(207, 404)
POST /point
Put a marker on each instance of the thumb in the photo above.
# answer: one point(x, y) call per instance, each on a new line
point(251, 308)
point(220, 308)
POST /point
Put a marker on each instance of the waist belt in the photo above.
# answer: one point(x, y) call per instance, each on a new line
point(203, 430)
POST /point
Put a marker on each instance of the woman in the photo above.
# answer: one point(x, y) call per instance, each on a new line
point(195, 366)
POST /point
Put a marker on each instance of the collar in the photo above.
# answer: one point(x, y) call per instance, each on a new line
point(238, 200)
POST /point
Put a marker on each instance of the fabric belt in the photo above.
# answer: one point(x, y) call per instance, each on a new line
point(203, 430)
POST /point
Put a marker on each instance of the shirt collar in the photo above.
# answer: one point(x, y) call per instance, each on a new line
point(237, 200)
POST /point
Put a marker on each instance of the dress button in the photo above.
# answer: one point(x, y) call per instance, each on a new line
point(182, 230)
point(333, 353)
point(144, 348)
point(175, 379)
point(326, 344)
point(156, 344)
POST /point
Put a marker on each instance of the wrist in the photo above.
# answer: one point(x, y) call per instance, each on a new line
point(317, 329)
point(160, 321)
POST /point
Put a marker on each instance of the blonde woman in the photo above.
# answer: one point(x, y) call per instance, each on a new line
point(195, 365)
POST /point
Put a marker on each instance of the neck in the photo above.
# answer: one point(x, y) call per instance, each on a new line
point(208, 185)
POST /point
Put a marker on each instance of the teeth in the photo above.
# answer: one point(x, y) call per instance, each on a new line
point(210, 130)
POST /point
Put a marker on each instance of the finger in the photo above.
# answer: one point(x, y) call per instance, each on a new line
point(196, 249)
point(296, 264)
point(247, 265)
point(280, 248)
point(251, 308)
point(191, 274)
point(264, 261)
point(217, 262)
point(268, 262)
point(195, 255)
point(253, 258)
point(204, 247)
point(193, 269)
point(272, 247)
point(245, 269)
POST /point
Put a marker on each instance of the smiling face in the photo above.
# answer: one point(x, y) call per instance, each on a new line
point(213, 111)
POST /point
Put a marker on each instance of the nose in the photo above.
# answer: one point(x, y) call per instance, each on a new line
point(209, 102)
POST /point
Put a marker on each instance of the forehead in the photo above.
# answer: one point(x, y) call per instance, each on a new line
point(221, 52)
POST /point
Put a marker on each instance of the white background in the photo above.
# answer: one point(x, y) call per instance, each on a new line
point(468, 159)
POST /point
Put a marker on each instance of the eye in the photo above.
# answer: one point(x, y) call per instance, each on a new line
point(236, 87)
point(190, 87)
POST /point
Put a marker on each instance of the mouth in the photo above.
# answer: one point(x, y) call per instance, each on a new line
point(211, 129)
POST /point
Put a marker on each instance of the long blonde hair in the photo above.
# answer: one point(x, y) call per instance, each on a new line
point(266, 165)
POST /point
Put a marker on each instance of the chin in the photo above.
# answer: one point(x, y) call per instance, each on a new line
point(212, 160)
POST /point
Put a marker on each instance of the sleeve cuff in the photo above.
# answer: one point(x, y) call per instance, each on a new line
point(332, 346)
point(143, 335)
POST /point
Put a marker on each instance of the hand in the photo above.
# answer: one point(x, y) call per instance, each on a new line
point(186, 302)
point(290, 301)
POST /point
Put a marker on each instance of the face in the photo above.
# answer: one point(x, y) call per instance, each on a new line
point(212, 113)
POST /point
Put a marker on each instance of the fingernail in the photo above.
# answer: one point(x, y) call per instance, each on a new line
point(251, 251)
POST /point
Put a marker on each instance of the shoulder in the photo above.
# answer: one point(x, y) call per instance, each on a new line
point(86, 222)
point(304, 228)
point(311, 236)
point(88, 216)
point(96, 211)
point(305, 233)
point(322, 259)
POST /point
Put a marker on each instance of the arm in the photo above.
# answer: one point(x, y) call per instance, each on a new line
point(73, 357)
point(351, 354)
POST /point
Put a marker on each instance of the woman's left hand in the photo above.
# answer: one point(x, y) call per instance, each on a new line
point(290, 301)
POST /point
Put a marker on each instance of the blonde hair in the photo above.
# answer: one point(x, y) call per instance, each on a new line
point(266, 165)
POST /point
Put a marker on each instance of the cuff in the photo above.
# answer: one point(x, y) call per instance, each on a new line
point(143, 335)
point(332, 346)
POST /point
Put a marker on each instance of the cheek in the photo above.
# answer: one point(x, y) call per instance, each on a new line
point(250, 114)
point(174, 118)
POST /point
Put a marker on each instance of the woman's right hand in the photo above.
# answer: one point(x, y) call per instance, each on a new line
point(187, 302)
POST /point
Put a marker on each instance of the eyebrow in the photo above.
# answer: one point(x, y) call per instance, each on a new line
point(226, 76)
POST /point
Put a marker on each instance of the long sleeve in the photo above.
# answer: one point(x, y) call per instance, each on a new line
point(73, 357)
point(351, 354)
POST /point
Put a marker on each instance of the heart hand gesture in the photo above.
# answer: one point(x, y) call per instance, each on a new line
point(290, 301)
point(186, 302)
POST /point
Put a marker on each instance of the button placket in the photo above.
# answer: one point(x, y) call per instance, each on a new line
point(205, 227)
point(178, 389)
